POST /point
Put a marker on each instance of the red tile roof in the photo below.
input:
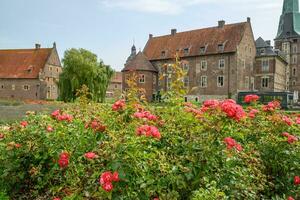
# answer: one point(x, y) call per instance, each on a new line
point(117, 77)
point(23, 63)
point(230, 35)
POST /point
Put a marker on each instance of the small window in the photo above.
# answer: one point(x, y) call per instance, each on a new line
point(294, 71)
point(186, 81)
point(265, 65)
point(202, 50)
point(220, 47)
point(57, 69)
point(247, 82)
point(26, 87)
point(186, 51)
point(295, 49)
point(13, 87)
point(116, 86)
point(265, 82)
point(50, 69)
point(163, 54)
point(294, 83)
point(221, 63)
point(1, 87)
point(244, 63)
point(203, 81)
point(294, 60)
point(142, 78)
point(196, 99)
point(220, 81)
point(170, 68)
point(186, 67)
point(203, 65)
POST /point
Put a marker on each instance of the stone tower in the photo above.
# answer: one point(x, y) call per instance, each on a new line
point(288, 41)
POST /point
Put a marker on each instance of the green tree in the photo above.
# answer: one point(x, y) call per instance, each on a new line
point(81, 67)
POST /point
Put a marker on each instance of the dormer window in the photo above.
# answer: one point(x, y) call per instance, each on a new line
point(202, 50)
point(163, 54)
point(220, 47)
point(186, 51)
point(262, 51)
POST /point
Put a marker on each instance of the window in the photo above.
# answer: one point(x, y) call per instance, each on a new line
point(247, 82)
point(57, 69)
point(294, 83)
point(265, 65)
point(252, 83)
point(2, 87)
point(295, 49)
point(262, 51)
point(251, 66)
point(163, 54)
point(244, 63)
point(186, 81)
point(285, 47)
point(186, 67)
point(142, 78)
point(154, 80)
point(198, 67)
point(294, 71)
point(186, 51)
point(116, 86)
point(220, 82)
point(202, 50)
point(203, 81)
point(294, 59)
point(26, 87)
point(50, 68)
point(265, 82)
point(170, 68)
point(221, 63)
point(220, 47)
point(203, 65)
point(13, 87)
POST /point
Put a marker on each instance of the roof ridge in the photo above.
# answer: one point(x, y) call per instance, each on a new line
point(198, 29)
point(25, 49)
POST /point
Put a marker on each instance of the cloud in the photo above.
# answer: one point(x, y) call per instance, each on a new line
point(173, 7)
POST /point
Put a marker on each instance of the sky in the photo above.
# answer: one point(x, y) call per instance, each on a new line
point(108, 28)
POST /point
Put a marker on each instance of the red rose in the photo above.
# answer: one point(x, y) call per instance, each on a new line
point(108, 186)
point(119, 105)
point(49, 129)
point(55, 113)
point(231, 143)
point(56, 198)
point(115, 177)
point(290, 198)
point(156, 198)
point(292, 139)
point(296, 180)
point(287, 120)
point(63, 160)
point(251, 98)
point(106, 177)
point(24, 124)
point(18, 145)
point(90, 155)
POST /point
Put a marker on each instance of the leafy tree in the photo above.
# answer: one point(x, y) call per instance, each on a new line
point(81, 67)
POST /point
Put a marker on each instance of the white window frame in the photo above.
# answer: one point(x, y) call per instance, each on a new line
point(222, 63)
point(170, 68)
point(265, 65)
point(219, 83)
point(203, 65)
point(186, 81)
point(186, 67)
point(265, 84)
point(13, 87)
point(203, 81)
point(142, 78)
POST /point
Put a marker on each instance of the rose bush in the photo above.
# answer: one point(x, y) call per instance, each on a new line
point(219, 150)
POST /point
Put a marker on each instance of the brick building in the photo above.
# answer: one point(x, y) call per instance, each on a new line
point(219, 60)
point(29, 73)
point(271, 68)
point(288, 41)
point(115, 85)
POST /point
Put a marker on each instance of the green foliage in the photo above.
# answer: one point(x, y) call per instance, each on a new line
point(190, 161)
point(81, 67)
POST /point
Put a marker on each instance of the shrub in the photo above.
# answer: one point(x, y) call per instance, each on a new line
point(215, 151)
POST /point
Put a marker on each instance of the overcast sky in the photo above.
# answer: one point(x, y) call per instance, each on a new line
point(108, 27)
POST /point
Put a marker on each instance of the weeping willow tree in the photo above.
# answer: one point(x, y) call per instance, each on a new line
point(81, 67)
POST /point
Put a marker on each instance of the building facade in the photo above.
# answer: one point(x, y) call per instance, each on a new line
point(115, 85)
point(288, 41)
point(218, 61)
point(271, 68)
point(30, 73)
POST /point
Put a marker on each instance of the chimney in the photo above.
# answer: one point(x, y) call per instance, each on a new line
point(54, 44)
point(173, 31)
point(37, 46)
point(150, 36)
point(268, 42)
point(248, 19)
point(221, 23)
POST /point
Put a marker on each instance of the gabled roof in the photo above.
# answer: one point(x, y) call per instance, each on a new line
point(23, 63)
point(260, 43)
point(229, 35)
point(140, 63)
point(117, 77)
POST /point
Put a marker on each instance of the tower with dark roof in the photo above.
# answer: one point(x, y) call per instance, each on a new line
point(288, 40)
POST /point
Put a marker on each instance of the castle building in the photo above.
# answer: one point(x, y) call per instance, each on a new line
point(288, 41)
point(30, 73)
point(271, 68)
point(218, 60)
point(115, 85)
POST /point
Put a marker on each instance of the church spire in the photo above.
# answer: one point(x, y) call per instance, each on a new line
point(289, 24)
